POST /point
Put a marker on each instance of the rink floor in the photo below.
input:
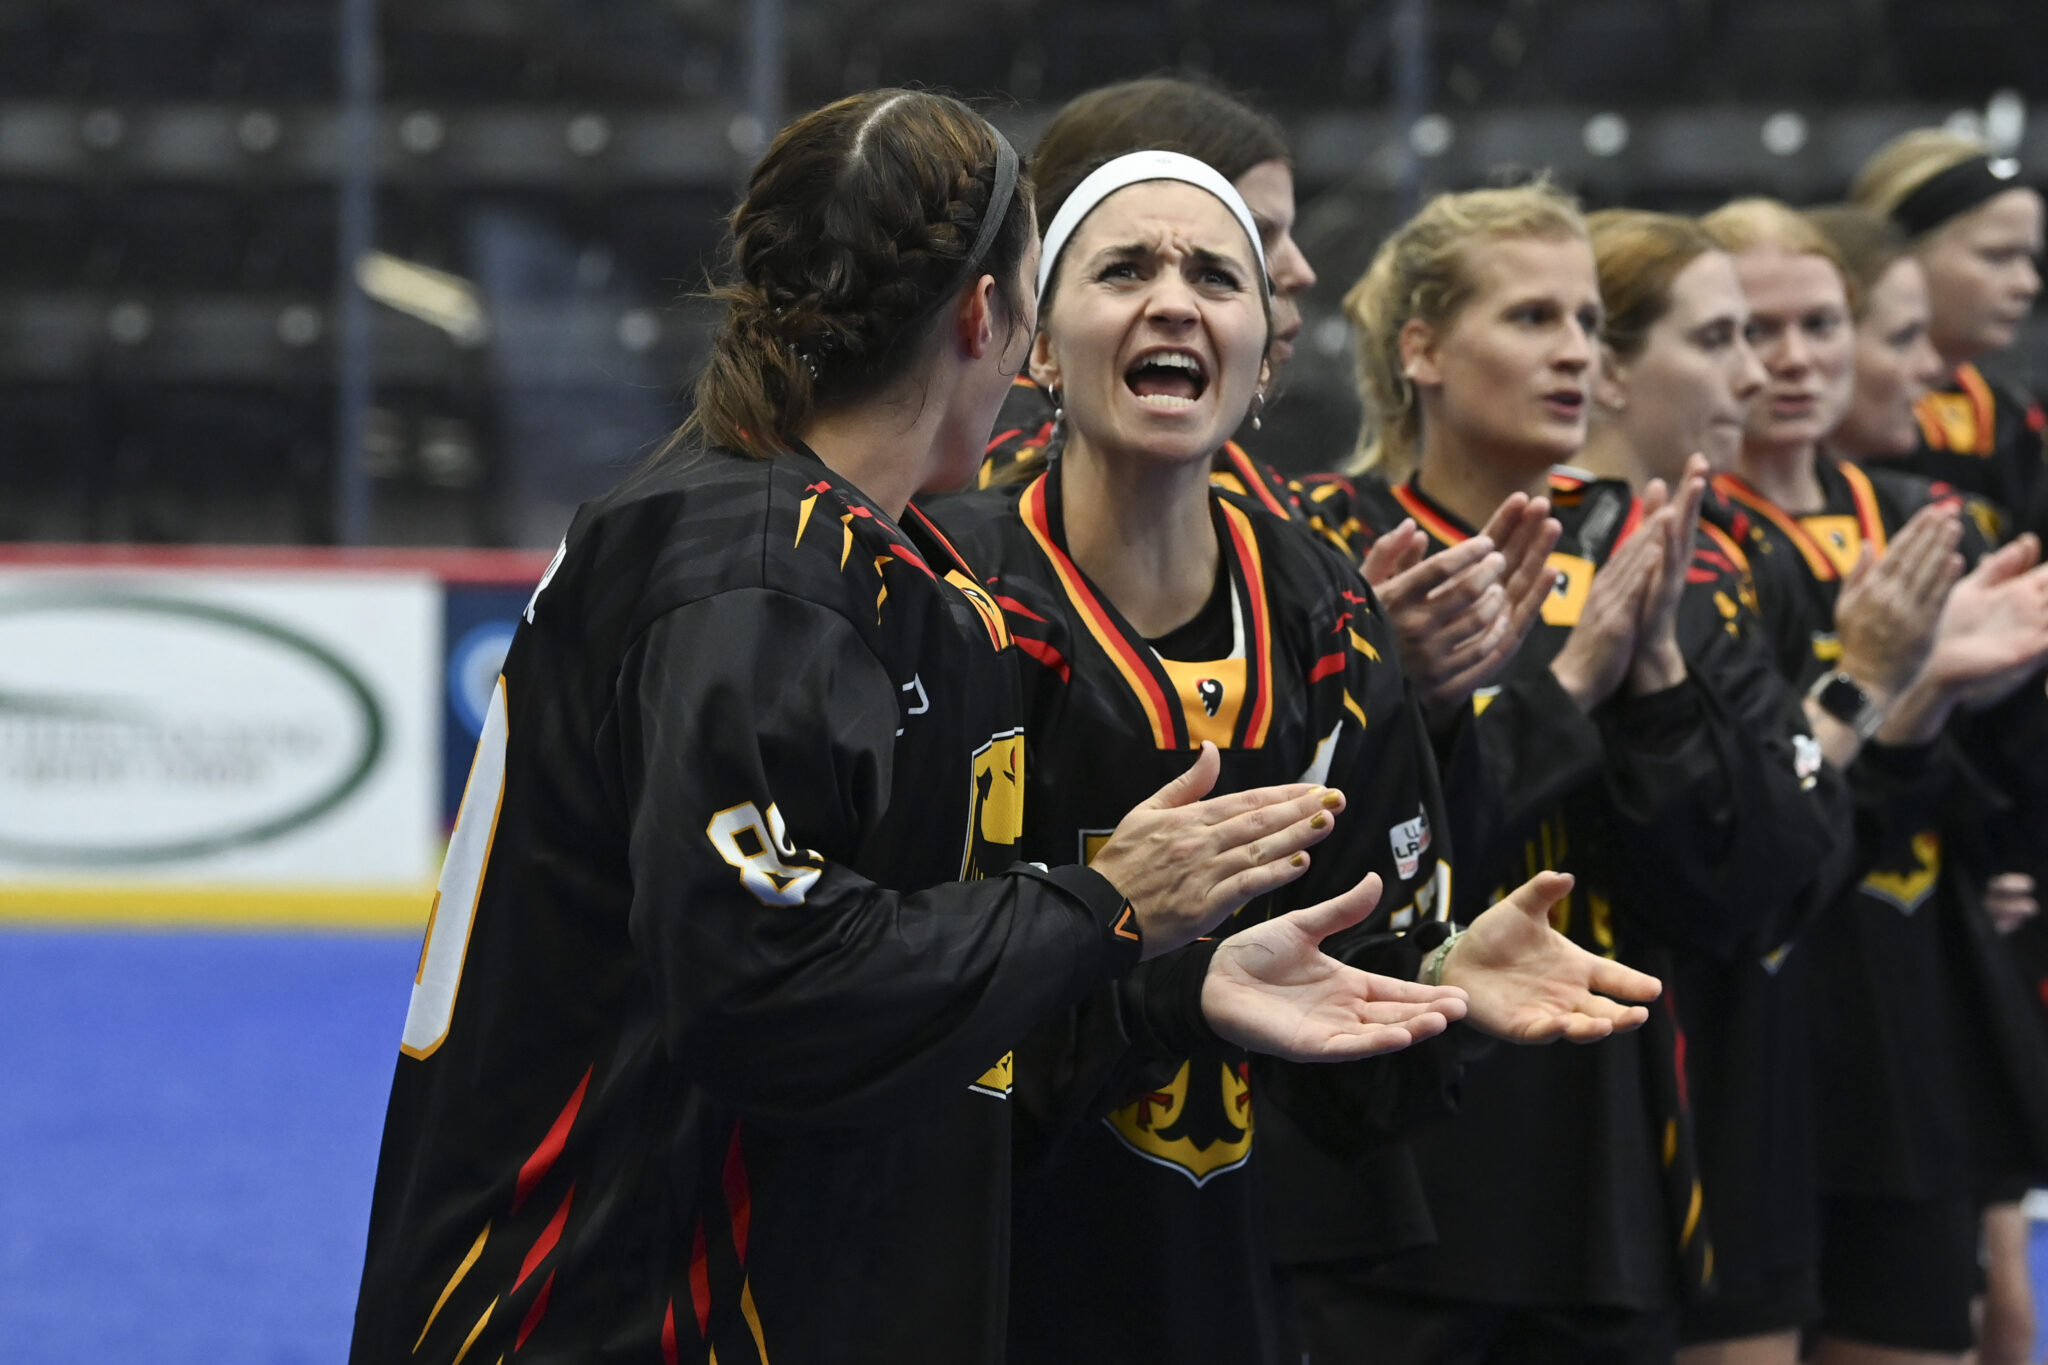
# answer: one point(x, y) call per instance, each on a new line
point(188, 1131)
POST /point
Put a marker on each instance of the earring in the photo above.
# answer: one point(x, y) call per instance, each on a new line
point(1258, 407)
point(1059, 419)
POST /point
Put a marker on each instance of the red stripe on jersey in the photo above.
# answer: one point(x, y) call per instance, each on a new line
point(1045, 654)
point(1699, 575)
point(1261, 718)
point(535, 1313)
point(1151, 698)
point(1427, 517)
point(1011, 604)
point(549, 1236)
point(1325, 666)
point(700, 1284)
point(932, 528)
point(1678, 1054)
point(543, 1158)
point(739, 1199)
point(1254, 478)
point(1001, 437)
point(1628, 527)
point(1730, 551)
point(668, 1335)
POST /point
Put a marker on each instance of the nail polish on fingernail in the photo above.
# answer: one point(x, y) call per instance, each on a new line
point(1332, 799)
point(1298, 860)
point(1318, 820)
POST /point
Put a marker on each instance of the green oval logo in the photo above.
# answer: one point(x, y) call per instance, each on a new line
point(65, 737)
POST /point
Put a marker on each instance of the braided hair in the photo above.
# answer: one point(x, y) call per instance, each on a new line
point(854, 234)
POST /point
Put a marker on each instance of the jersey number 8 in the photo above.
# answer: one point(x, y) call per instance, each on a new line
point(759, 848)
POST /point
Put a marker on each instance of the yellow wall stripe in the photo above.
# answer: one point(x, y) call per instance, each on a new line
point(378, 909)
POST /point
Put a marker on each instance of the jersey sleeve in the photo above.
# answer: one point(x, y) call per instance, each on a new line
point(1718, 790)
point(1077, 1066)
point(2003, 771)
point(757, 739)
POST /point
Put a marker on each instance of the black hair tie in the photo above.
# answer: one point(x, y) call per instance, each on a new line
point(1953, 192)
point(991, 222)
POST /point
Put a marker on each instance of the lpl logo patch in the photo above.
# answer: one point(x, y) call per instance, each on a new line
point(1410, 840)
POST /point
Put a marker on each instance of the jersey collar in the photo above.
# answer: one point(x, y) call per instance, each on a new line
point(1139, 666)
point(1840, 482)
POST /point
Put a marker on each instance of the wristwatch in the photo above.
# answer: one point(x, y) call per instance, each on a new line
point(1842, 697)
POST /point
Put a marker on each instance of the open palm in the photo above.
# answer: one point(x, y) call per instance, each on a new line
point(1272, 989)
point(1527, 983)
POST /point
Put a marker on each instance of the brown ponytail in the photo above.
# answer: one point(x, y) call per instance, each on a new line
point(852, 235)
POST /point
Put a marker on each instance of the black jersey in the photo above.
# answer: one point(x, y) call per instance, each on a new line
point(1324, 505)
point(727, 1075)
point(1984, 439)
point(1686, 816)
point(1934, 1096)
point(1138, 1233)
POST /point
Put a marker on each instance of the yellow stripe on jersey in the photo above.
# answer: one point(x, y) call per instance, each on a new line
point(474, 1333)
point(475, 1250)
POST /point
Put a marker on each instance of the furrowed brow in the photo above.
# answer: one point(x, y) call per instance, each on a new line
point(1205, 257)
point(1126, 251)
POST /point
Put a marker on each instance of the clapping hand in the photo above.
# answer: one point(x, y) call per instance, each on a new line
point(1460, 615)
point(1527, 983)
point(1186, 864)
point(1272, 989)
point(1657, 663)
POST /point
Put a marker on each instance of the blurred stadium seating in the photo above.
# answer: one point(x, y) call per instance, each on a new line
point(168, 210)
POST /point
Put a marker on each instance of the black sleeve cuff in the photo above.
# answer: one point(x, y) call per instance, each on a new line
point(1901, 762)
point(1161, 1005)
point(1658, 722)
point(1120, 943)
point(1539, 701)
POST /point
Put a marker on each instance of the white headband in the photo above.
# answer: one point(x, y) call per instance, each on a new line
point(1133, 169)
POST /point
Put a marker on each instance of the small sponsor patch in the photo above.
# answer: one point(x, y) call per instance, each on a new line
point(1806, 758)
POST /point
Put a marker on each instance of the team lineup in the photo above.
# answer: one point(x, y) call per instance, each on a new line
point(968, 862)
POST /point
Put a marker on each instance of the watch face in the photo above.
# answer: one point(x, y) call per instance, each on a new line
point(1843, 699)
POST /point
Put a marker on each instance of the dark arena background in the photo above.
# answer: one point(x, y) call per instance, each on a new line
point(319, 317)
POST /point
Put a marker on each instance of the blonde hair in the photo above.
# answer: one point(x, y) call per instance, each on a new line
point(1906, 163)
point(1639, 256)
point(1760, 224)
point(1424, 272)
point(1871, 245)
